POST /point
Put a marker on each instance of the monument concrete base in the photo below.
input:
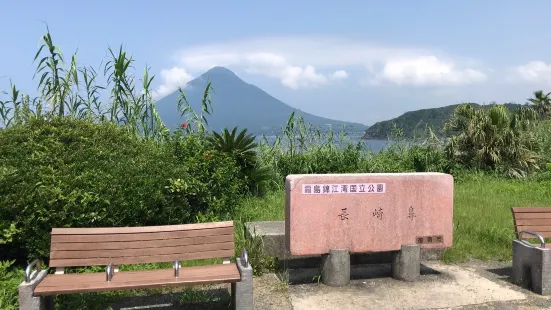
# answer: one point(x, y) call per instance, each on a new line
point(406, 263)
point(335, 268)
point(272, 234)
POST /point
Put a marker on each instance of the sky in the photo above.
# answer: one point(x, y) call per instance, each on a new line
point(361, 61)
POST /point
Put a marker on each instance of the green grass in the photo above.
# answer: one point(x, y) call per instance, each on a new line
point(483, 224)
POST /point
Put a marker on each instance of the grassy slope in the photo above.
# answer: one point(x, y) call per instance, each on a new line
point(483, 225)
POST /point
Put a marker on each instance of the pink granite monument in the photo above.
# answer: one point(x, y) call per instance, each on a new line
point(373, 212)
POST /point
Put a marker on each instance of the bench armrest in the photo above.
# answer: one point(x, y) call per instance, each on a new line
point(535, 234)
point(29, 268)
point(176, 266)
point(245, 258)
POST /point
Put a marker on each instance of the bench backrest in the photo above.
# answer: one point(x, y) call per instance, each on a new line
point(75, 247)
point(534, 219)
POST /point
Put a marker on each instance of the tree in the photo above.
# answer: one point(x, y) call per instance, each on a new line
point(541, 103)
point(494, 139)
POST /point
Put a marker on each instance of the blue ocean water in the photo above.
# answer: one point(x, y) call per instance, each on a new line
point(374, 145)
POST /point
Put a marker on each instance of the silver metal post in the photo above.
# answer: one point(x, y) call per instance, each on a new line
point(245, 258)
point(176, 269)
point(109, 272)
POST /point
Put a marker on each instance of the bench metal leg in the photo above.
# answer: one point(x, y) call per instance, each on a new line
point(532, 267)
point(406, 263)
point(242, 292)
point(335, 267)
point(29, 302)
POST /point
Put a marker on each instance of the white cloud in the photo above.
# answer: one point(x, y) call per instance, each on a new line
point(276, 66)
point(537, 72)
point(339, 75)
point(313, 61)
point(171, 80)
point(427, 70)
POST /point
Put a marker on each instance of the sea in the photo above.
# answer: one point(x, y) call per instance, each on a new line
point(374, 145)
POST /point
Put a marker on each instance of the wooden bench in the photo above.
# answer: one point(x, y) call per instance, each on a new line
point(532, 262)
point(111, 247)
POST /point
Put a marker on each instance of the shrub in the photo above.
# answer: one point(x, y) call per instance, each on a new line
point(75, 173)
point(494, 139)
point(543, 134)
point(242, 149)
point(9, 281)
point(213, 183)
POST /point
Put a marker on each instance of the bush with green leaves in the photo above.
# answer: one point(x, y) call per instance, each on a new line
point(214, 179)
point(242, 148)
point(74, 173)
point(543, 135)
point(9, 281)
point(495, 139)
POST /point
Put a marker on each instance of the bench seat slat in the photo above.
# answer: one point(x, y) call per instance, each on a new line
point(95, 282)
point(114, 237)
point(144, 244)
point(104, 261)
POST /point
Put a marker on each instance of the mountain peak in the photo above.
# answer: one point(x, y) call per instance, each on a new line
point(237, 103)
point(219, 72)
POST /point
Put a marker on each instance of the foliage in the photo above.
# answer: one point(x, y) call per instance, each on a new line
point(494, 139)
point(541, 103)
point(542, 132)
point(68, 89)
point(430, 158)
point(258, 259)
point(9, 281)
point(306, 150)
point(74, 173)
point(186, 111)
point(241, 147)
point(216, 182)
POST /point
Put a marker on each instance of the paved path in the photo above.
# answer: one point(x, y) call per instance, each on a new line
point(466, 286)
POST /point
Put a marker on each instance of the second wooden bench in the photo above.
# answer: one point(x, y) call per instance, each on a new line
point(532, 262)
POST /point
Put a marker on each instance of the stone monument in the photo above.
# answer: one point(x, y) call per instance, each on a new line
point(337, 214)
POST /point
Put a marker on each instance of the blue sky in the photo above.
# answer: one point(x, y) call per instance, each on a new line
point(361, 61)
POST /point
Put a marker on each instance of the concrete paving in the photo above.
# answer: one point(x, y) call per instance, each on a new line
point(454, 287)
point(441, 286)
